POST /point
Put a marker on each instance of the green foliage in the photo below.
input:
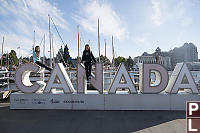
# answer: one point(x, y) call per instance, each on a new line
point(60, 54)
point(61, 51)
point(66, 55)
point(119, 60)
point(5, 59)
point(104, 60)
point(25, 60)
point(13, 58)
point(130, 62)
point(31, 59)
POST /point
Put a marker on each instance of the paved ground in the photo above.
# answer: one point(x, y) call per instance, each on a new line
point(66, 121)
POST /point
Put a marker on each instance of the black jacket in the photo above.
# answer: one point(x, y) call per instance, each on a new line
point(88, 57)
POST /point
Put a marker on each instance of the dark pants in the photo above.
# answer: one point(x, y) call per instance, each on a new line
point(43, 65)
point(88, 67)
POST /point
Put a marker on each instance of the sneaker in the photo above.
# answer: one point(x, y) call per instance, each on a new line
point(89, 77)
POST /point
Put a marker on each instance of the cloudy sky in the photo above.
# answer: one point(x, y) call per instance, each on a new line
point(137, 25)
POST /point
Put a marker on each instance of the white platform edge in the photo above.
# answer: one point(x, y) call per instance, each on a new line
point(101, 101)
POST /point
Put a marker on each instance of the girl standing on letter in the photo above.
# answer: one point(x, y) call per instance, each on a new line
point(88, 59)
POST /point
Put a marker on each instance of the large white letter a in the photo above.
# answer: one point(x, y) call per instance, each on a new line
point(59, 73)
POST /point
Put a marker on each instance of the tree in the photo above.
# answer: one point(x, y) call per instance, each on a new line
point(119, 60)
point(25, 60)
point(104, 60)
point(13, 58)
point(31, 58)
point(130, 62)
point(60, 54)
point(66, 55)
point(5, 59)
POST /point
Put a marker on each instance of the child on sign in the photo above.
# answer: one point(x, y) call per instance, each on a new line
point(88, 59)
point(36, 58)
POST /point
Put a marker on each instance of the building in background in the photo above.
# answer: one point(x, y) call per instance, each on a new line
point(169, 59)
point(154, 58)
point(186, 53)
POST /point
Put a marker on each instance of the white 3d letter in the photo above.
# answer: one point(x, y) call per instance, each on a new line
point(22, 80)
point(161, 76)
point(176, 82)
point(128, 84)
point(59, 73)
point(96, 81)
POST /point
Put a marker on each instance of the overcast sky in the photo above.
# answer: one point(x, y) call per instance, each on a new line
point(137, 25)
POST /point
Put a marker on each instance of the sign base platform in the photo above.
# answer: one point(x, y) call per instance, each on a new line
point(92, 101)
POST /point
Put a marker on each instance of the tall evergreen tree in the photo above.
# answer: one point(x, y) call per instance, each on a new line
point(60, 54)
point(130, 62)
point(66, 55)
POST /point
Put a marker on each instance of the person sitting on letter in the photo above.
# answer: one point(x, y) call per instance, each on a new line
point(36, 58)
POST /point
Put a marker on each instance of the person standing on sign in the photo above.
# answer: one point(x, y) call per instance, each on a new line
point(36, 58)
point(88, 59)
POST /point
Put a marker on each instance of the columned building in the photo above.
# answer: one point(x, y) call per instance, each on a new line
point(186, 53)
point(165, 61)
